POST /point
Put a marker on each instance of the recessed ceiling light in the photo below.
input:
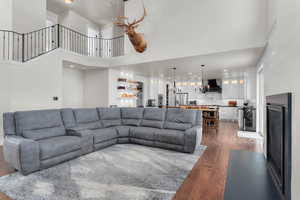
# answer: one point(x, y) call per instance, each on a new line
point(225, 70)
point(72, 66)
point(190, 73)
point(69, 1)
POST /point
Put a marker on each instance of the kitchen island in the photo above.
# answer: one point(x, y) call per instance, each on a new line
point(225, 112)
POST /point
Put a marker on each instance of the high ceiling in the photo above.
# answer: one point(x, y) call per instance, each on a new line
point(99, 11)
point(217, 65)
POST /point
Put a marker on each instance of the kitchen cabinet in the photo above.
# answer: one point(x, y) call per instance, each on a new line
point(233, 89)
point(228, 113)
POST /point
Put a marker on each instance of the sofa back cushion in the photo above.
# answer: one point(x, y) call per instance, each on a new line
point(132, 116)
point(110, 116)
point(39, 124)
point(87, 118)
point(9, 124)
point(180, 119)
point(153, 117)
point(68, 117)
point(39, 134)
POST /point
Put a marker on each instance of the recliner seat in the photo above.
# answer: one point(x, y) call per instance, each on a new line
point(35, 140)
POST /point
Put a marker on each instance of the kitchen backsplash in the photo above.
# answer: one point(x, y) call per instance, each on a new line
point(212, 98)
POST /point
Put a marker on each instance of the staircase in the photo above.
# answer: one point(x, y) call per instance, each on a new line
point(24, 47)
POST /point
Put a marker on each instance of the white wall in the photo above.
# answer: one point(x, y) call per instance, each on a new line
point(35, 83)
point(74, 21)
point(32, 85)
point(281, 68)
point(176, 29)
point(73, 87)
point(156, 86)
point(5, 89)
point(29, 15)
point(53, 17)
point(6, 14)
point(22, 16)
point(96, 92)
point(250, 85)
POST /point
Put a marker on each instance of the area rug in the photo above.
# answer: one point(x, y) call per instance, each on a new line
point(120, 172)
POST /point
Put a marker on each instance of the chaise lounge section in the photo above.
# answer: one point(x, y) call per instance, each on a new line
point(35, 140)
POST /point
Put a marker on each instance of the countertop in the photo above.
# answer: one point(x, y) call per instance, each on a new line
point(225, 106)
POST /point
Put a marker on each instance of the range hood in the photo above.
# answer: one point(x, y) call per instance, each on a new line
point(213, 86)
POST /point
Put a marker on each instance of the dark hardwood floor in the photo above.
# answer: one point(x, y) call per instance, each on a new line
point(4, 170)
point(208, 178)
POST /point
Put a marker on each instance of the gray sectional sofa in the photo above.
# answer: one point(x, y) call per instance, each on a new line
point(35, 140)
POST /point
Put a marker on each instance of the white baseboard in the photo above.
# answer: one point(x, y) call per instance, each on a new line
point(250, 135)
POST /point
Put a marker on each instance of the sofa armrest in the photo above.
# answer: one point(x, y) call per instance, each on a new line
point(192, 138)
point(76, 131)
point(87, 138)
point(23, 154)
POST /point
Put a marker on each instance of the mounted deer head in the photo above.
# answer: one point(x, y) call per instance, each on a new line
point(137, 39)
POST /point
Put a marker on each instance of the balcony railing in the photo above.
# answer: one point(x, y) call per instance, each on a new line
point(23, 47)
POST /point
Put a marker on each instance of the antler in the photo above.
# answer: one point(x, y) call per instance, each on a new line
point(141, 19)
point(120, 23)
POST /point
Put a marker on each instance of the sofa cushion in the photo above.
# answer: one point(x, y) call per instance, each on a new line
point(110, 123)
point(104, 134)
point(90, 125)
point(87, 118)
point(132, 116)
point(180, 119)
point(145, 133)
point(177, 126)
point(123, 131)
point(109, 113)
point(9, 124)
point(68, 117)
point(85, 115)
point(110, 116)
point(169, 136)
point(157, 114)
point(57, 146)
point(153, 117)
point(39, 119)
point(44, 133)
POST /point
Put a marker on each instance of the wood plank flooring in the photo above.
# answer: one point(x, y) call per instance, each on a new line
point(208, 178)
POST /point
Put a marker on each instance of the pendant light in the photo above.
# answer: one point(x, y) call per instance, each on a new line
point(202, 87)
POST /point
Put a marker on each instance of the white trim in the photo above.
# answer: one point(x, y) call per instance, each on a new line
point(259, 109)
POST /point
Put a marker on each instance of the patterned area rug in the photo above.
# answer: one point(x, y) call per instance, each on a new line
point(120, 172)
